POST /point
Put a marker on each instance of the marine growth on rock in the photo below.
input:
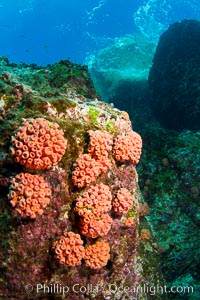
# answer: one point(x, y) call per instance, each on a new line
point(69, 208)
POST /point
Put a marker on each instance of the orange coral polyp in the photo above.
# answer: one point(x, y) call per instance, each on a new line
point(34, 139)
point(25, 155)
point(27, 198)
point(28, 192)
point(18, 145)
point(32, 155)
point(18, 152)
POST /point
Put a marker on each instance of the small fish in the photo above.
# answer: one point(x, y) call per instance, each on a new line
point(46, 48)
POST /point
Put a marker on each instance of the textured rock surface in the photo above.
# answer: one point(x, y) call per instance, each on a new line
point(63, 93)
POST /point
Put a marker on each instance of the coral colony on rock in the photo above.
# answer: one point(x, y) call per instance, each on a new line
point(69, 196)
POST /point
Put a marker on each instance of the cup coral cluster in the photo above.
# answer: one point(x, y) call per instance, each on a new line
point(29, 194)
point(38, 144)
point(92, 206)
point(89, 166)
point(123, 201)
point(128, 147)
point(97, 255)
point(87, 169)
point(96, 199)
point(95, 225)
point(100, 144)
point(69, 249)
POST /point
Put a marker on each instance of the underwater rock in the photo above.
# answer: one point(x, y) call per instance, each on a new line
point(120, 75)
point(174, 77)
point(34, 252)
point(129, 59)
point(134, 97)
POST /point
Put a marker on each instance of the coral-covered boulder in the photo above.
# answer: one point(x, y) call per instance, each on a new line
point(174, 77)
point(59, 233)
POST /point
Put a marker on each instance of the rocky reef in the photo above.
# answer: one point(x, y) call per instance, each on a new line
point(69, 196)
point(169, 180)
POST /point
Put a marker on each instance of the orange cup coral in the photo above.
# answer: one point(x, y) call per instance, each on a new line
point(38, 144)
point(91, 206)
point(123, 202)
point(128, 147)
point(89, 166)
point(69, 249)
point(29, 194)
point(86, 171)
point(95, 225)
point(96, 199)
point(97, 255)
point(100, 144)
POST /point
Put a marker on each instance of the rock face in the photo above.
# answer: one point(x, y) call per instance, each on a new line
point(52, 218)
point(134, 96)
point(174, 77)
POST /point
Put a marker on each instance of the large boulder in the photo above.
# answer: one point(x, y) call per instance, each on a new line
point(128, 59)
point(175, 75)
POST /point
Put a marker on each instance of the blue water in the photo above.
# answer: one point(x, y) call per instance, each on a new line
point(45, 31)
